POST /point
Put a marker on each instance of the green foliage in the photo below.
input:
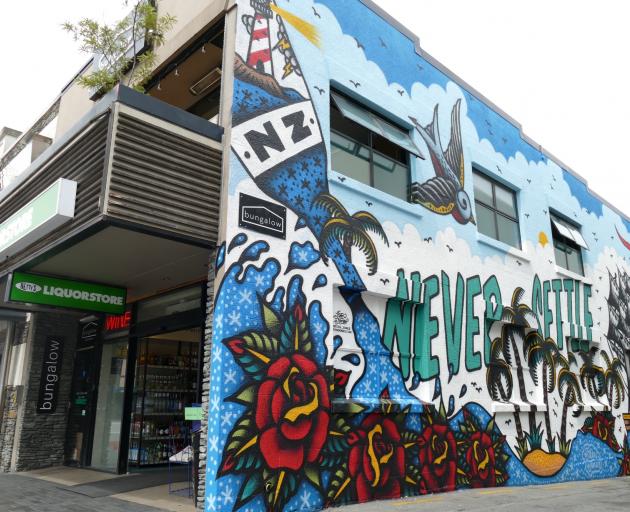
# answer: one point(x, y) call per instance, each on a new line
point(534, 438)
point(338, 484)
point(112, 44)
point(521, 446)
point(565, 447)
point(279, 486)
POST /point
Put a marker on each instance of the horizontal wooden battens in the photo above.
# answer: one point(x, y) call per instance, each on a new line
point(163, 179)
point(137, 162)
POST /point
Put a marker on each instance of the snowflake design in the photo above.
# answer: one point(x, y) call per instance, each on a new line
point(226, 419)
point(246, 296)
point(227, 495)
point(230, 377)
point(259, 280)
point(234, 318)
point(305, 499)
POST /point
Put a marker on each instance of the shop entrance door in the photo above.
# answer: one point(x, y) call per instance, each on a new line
point(81, 416)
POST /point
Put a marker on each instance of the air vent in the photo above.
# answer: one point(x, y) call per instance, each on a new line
point(208, 81)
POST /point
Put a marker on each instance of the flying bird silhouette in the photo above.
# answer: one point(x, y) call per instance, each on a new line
point(320, 90)
point(356, 84)
point(445, 193)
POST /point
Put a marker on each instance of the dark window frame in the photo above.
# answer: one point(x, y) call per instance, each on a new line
point(564, 245)
point(495, 211)
point(370, 147)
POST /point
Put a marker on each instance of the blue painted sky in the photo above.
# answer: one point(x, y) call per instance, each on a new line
point(381, 40)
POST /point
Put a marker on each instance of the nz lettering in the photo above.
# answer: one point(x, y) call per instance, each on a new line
point(272, 138)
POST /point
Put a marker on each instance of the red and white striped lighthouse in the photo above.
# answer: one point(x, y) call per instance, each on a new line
point(259, 53)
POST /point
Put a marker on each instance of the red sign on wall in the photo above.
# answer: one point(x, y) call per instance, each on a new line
point(117, 322)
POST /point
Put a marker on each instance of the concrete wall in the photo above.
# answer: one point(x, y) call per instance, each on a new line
point(387, 348)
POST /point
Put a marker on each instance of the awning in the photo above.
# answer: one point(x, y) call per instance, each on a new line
point(569, 232)
point(375, 124)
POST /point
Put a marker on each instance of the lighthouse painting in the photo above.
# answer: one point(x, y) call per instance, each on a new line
point(276, 133)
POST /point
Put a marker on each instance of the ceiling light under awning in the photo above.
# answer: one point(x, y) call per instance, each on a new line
point(206, 82)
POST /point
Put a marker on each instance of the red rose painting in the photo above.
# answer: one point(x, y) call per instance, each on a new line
point(292, 413)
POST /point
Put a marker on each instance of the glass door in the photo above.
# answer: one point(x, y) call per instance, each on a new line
point(81, 416)
point(109, 411)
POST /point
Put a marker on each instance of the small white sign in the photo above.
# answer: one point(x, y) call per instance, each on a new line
point(40, 216)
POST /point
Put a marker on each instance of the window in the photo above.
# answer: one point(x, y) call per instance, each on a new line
point(495, 205)
point(568, 243)
point(369, 149)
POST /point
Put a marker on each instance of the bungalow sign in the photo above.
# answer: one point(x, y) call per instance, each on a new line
point(49, 381)
point(262, 216)
point(50, 291)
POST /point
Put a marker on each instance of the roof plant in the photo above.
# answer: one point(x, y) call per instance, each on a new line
point(124, 51)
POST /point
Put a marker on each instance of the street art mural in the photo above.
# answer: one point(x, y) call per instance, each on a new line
point(384, 348)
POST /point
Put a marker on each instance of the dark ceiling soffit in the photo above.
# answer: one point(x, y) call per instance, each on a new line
point(207, 37)
point(87, 230)
point(28, 261)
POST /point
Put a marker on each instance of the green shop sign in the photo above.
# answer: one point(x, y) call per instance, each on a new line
point(40, 216)
point(63, 293)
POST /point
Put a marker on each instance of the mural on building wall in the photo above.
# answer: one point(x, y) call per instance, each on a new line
point(381, 350)
point(445, 194)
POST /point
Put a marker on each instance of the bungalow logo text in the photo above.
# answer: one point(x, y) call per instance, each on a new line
point(262, 216)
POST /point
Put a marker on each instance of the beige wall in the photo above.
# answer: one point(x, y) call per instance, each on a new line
point(192, 18)
point(75, 103)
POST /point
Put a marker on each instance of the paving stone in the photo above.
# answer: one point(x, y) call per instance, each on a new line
point(24, 494)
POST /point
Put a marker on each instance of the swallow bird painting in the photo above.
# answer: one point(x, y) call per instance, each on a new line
point(444, 194)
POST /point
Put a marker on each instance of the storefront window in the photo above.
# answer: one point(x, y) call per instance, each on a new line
point(165, 384)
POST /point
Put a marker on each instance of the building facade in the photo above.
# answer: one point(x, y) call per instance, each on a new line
point(371, 280)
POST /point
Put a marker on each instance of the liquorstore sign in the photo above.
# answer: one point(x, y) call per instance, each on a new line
point(50, 291)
